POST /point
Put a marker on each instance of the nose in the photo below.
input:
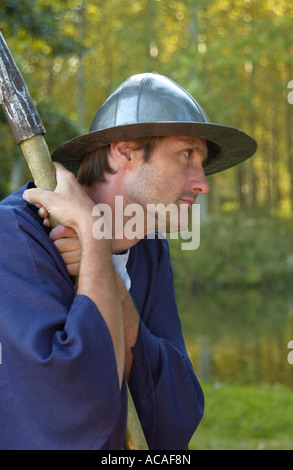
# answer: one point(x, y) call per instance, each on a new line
point(198, 182)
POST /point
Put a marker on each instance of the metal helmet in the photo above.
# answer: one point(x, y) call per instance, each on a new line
point(153, 105)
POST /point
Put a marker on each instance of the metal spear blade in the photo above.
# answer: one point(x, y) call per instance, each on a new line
point(16, 101)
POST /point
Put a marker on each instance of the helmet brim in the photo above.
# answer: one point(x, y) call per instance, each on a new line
point(234, 146)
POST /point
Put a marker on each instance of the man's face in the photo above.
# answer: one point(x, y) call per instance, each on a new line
point(173, 175)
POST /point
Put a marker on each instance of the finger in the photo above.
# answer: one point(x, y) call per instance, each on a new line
point(67, 245)
point(73, 269)
point(43, 213)
point(61, 231)
point(47, 222)
point(63, 176)
point(59, 167)
point(71, 257)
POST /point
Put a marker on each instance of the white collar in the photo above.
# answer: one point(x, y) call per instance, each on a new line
point(120, 262)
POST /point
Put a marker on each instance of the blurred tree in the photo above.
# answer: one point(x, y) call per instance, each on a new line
point(243, 54)
point(234, 56)
point(30, 28)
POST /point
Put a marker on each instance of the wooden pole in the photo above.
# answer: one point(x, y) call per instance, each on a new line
point(38, 158)
point(28, 131)
point(134, 436)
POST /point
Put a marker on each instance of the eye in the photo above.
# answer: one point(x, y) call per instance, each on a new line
point(187, 153)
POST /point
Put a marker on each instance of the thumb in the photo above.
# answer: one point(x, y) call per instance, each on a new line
point(44, 199)
point(35, 196)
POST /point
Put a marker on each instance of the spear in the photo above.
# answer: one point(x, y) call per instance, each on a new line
point(24, 120)
point(28, 131)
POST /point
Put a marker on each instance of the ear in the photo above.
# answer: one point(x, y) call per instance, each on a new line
point(120, 154)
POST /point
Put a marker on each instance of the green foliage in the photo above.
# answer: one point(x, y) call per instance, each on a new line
point(235, 57)
point(59, 128)
point(236, 252)
point(245, 418)
point(17, 15)
point(40, 20)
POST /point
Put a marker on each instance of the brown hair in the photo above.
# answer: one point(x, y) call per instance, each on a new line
point(95, 164)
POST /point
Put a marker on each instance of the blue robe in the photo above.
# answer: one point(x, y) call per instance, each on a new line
point(59, 387)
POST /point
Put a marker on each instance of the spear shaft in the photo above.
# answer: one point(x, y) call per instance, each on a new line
point(24, 120)
point(28, 131)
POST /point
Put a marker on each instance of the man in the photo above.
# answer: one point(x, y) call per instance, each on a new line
point(67, 351)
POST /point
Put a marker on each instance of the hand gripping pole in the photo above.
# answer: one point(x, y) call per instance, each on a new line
point(28, 131)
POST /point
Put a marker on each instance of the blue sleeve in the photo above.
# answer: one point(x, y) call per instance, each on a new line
point(59, 387)
point(166, 392)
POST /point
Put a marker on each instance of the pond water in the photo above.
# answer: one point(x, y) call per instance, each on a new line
point(239, 336)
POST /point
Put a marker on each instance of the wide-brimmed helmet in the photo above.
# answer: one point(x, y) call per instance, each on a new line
point(153, 105)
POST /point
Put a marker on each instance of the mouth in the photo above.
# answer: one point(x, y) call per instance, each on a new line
point(188, 201)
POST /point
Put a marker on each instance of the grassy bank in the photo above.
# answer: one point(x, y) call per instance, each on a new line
point(248, 255)
point(245, 418)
